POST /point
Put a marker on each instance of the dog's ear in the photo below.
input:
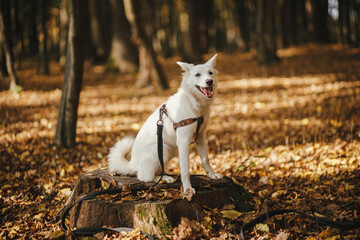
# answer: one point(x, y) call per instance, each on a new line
point(211, 61)
point(185, 66)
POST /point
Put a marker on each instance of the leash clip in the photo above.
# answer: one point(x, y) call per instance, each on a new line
point(160, 122)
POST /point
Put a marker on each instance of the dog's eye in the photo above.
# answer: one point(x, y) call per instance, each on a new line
point(211, 73)
point(197, 75)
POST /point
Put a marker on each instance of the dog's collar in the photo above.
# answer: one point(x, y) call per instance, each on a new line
point(182, 123)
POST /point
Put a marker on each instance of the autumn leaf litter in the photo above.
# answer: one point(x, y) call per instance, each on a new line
point(288, 133)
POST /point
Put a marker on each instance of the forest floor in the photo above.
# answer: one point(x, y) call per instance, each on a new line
point(288, 132)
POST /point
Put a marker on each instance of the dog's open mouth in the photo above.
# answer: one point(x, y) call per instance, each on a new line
point(206, 91)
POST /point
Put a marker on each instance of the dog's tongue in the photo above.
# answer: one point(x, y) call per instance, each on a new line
point(208, 92)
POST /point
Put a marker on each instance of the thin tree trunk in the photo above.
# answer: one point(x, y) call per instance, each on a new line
point(132, 14)
point(341, 21)
point(204, 8)
point(243, 19)
point(289, 23)
point(165, 25)
point(90, 48)
point(3, 71)
point(347, 21)
point(45, 55)
point(33, 33)
point(356, 5)
point(19, 38)
point(144, 78)
point(220, 26)
point(189, 26)
point(99, 29)
point(66, 126)
point(278, 23)
point(5, 44)
point(64, 25)
point(265, 27)
point(317, 12)
point(123, 52)
point(191, 35)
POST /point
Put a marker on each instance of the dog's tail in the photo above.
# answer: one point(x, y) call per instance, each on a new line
point(117, 161)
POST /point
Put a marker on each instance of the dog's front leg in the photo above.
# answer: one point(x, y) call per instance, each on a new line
point(201, 146)
point(183, 144)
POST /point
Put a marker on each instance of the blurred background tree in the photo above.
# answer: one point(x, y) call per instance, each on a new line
point(129, 36)
point(185, 28)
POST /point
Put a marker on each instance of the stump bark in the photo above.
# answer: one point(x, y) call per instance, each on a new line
point(156, 217)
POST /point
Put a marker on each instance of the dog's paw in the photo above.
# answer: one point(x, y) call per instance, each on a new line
point(188, 193)
point(168, 179)
point(165, 178)
point(215, 175)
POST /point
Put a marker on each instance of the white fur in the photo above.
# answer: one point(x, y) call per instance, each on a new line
point(188, 102)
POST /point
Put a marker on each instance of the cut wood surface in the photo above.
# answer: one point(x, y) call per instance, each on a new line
point(156, 210)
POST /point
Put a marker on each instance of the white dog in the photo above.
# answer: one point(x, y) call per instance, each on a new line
point(181, 115)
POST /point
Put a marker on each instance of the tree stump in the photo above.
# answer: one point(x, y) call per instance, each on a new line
point(155, 216)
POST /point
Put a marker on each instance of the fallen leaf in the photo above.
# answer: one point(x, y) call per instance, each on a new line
point(262, 227)
point(104, 184)
point(230, 214)
point(282, 236)
point(57, 234)
point(324, 234)
point(277, 193)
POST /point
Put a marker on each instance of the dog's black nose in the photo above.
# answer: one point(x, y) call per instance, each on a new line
point(209, 82)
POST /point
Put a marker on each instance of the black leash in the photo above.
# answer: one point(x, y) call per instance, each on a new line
point(160, 150)
point(200, 120)
point(319, 220)
point(159, 132)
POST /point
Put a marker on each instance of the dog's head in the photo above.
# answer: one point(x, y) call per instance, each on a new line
point(200, 79)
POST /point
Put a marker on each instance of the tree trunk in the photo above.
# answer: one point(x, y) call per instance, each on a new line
point(289, 23)
point(154, 215)
point(165, 27)
point(144, 78)
point(63, 29)
point(278, 23)
point(19, 35)
point(192, 33)
point(265, 27)
point(341, 21)
point(243, 19)
point(6, 44)
point(302, 22)
point(347, 21)
point(67, 118)
point(33, 33)
point(193, 30)
point(220, 26)
point(317, 13)
point(132, 8)
point(204, 7)
point(123, 52)
point(356, 5)
point(45, 55)
point(99, 28)
point(3, 71)
point(90, 48)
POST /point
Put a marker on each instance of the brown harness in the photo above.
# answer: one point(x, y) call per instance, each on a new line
point(182, 123)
